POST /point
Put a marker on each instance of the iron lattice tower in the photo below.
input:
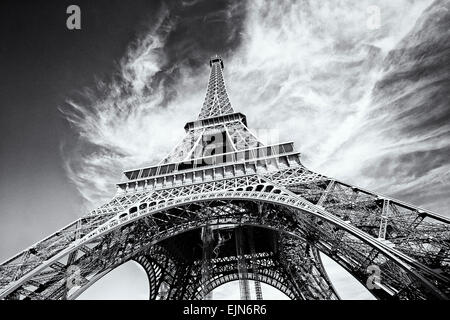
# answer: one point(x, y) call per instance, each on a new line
point(223, 206)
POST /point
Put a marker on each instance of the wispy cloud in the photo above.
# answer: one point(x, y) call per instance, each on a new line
point(315, 70)
point(311, 69)
point(128, 122)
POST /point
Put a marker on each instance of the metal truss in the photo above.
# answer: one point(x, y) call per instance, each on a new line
point(258, 290)
point(198, 142)
point(242, 265)
point(216, 101)
point(158, 213)
point(207, 237)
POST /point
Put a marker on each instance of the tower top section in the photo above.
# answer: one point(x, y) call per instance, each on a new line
point(216, 59)
point(216, 101)
point(219, 142)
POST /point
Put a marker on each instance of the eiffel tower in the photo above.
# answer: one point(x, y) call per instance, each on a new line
point(222, 206)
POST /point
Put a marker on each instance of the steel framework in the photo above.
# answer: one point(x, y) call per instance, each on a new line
point(221, 187)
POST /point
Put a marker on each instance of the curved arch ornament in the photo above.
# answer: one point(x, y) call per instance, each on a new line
point(159, 215)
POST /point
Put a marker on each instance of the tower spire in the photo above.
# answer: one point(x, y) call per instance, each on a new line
point(216, 100)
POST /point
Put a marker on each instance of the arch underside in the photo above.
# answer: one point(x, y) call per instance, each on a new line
point(298, 274)
point(329, 217)
point(134, 239)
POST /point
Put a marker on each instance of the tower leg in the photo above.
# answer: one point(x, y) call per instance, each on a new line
point(305, 271)
point(207, 242)
point(251, 241)
point(244, 286)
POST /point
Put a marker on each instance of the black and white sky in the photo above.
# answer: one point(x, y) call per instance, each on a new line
point(365, 101)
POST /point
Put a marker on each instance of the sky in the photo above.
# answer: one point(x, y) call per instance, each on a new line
point(364, 99)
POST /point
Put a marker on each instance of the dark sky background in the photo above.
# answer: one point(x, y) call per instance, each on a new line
point(365, 105)
point(42, 63)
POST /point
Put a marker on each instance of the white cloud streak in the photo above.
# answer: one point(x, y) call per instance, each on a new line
point(128, 123)
point(310, 68)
